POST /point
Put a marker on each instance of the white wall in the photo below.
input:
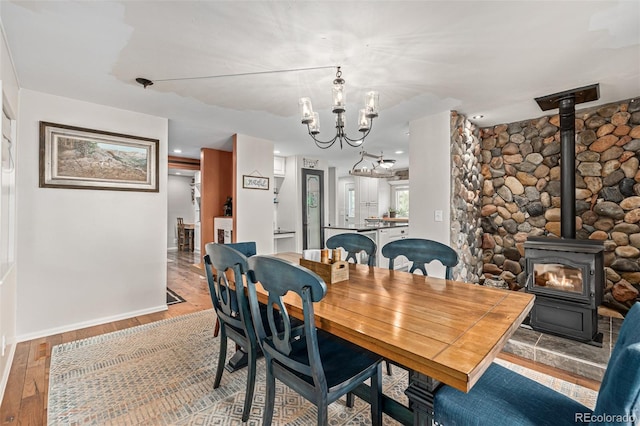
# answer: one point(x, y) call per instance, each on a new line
point(179, 205)
point(289, 207)
point(9, 102)
point(430, 177)
point(253, 208)
point(86, 257)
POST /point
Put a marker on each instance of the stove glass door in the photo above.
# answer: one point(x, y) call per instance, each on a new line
point(558, 277)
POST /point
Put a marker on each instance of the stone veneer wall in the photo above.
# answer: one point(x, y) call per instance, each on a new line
point(466, 197)
point(521, 193)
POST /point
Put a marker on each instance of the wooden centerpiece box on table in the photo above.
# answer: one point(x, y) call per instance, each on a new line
point(330, 272)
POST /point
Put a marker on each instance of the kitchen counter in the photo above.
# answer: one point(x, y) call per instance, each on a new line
point(360, 227)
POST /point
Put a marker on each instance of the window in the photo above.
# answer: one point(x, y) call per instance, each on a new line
point(400, 200)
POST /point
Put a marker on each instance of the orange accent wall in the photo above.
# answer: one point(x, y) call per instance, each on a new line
point(217, 183)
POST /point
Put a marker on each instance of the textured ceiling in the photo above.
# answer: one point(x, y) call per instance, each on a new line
point(477, 57)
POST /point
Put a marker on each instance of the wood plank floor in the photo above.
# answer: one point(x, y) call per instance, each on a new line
point(25, 398)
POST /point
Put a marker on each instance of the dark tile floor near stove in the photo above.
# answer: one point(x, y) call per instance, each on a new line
point(566, 354)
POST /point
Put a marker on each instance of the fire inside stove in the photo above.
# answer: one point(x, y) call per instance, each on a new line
point(558, 277)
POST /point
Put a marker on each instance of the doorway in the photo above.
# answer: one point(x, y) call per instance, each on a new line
point(312, 209)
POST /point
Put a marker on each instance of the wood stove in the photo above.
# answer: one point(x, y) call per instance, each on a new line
point(567, 277)
point(565, 274)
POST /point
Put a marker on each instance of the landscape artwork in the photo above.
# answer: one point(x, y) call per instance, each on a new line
point(81, 158)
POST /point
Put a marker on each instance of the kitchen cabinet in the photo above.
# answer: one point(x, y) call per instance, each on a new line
point(372, 197)
point(387, 235)
point(279, 166)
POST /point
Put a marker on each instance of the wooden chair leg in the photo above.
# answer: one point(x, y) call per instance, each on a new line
point(270, 398)
point(350, 400)
point(216, 329)
point(222, 357)
point(376, 397)
point(251, 381)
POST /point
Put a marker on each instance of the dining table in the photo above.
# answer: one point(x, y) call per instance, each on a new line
point(441, 331)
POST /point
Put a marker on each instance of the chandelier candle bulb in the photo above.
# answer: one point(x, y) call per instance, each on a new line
point(371, 103)
point(314, 124)
point(339, 97)
point(363, 121)
point(306, 110)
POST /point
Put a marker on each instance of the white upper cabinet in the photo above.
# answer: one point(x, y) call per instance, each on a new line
point(279, 165)
point(372, 197)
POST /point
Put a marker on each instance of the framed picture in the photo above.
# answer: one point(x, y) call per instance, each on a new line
point(255, 182)
point(74, 157)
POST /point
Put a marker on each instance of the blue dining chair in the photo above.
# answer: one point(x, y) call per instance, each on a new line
point(504, 397)
point(232, 310)
point(247, 248)
point(353, 244)
point(421, 251)
point(315, 364)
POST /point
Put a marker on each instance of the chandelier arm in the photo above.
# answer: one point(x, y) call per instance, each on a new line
point(360, 140)
point(323, 144)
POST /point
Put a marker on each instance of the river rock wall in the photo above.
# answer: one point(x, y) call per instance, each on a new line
point(466, 198)
point(520, 166)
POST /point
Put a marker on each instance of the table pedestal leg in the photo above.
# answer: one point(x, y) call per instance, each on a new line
point(239, 360)
point(421, 393)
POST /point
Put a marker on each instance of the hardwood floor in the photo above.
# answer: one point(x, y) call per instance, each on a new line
point(25, 399)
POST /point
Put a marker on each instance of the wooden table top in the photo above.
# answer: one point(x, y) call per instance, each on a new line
point(448, 330)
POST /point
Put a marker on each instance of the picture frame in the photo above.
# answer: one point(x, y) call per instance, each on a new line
point(80, 158)
point(255, 182)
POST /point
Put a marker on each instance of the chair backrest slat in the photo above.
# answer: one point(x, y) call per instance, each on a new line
point(353, 244)
point(420, 252)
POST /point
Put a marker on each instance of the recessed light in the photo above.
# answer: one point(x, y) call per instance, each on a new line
point(276, 152)
point(177, 151)
point(399, 152)
point(477, 117)
point(178, 173)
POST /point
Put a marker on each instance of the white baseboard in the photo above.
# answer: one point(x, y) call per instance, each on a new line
point(7, 369)
point(90, 323)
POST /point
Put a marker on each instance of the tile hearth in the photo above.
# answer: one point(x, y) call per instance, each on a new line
point(575, 357)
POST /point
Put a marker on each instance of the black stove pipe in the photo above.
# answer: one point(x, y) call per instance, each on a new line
point(568, 167)
point(566, 103)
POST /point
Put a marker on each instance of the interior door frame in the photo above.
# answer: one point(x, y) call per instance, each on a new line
point(320, 174)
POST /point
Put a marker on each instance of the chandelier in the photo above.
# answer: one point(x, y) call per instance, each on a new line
point(365, 117)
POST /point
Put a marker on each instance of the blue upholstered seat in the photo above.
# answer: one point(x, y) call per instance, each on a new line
point(317, 365)
point(353, 244)
point(503, 397)
point(232, 309)
point(420, 252)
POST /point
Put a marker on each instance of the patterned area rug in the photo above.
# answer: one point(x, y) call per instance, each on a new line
point(162, 374)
